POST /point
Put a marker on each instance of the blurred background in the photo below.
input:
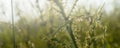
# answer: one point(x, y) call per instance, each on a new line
point(49, 23)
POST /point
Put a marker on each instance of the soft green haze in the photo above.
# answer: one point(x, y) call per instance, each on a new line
point(60, 24)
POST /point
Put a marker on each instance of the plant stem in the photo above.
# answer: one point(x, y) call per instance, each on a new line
point(69, 29)
point(12, 14)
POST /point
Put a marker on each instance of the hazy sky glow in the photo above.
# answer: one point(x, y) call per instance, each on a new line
point(5, 5)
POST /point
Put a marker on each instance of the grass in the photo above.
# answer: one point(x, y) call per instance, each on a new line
point(56, 28)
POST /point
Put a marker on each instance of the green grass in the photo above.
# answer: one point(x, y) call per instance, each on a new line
point(57, 28)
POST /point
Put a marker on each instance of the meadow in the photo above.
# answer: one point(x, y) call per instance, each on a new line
point(57, 28)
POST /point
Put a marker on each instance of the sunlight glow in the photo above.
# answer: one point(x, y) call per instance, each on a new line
point(25, 6)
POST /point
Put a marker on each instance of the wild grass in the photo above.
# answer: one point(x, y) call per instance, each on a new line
point(56, 28)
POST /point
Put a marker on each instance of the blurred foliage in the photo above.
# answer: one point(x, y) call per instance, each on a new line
point(91, 29)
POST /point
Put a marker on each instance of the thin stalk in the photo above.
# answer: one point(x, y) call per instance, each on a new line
point(13, 35)
point(68, 27)
point(105, 30)
point(75, 3)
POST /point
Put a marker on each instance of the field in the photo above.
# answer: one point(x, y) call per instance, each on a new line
point(59, 27)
